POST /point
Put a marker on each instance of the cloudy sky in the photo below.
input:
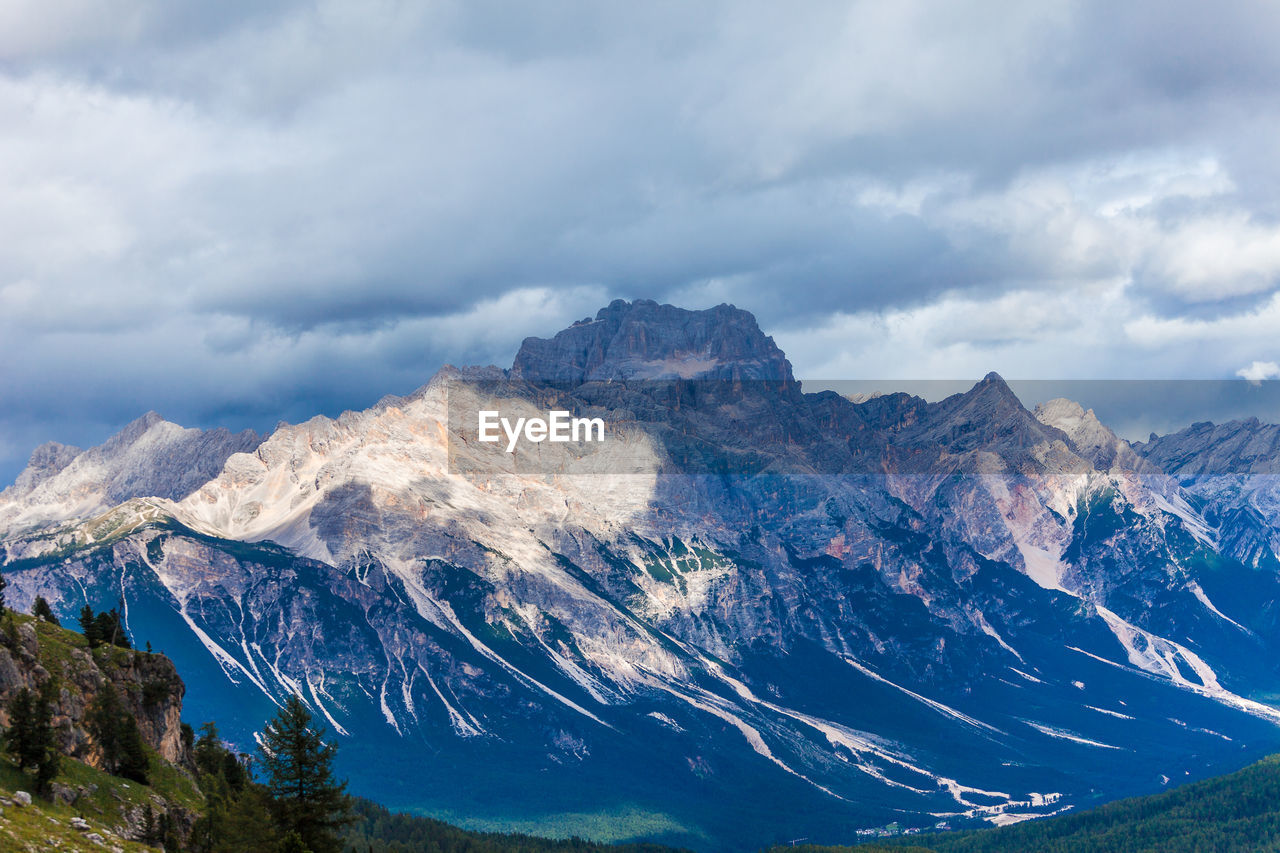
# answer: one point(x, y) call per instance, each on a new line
point(240, 212)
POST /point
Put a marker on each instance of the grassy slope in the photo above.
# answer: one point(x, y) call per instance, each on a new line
point(44, 825)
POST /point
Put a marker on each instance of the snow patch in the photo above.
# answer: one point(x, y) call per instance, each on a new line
point(935, 705)
point(1198, 592)
point(1063, 734)
point(1031, 678)
point(1116, 714)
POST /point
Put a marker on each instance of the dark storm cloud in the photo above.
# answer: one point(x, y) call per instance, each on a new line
point(239, 212)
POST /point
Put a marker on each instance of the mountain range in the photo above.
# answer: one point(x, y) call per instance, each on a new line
point(750, 614)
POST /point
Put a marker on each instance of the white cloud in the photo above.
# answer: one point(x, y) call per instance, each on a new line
point(1259, 371)
point(224, 208)
point(1209, 258)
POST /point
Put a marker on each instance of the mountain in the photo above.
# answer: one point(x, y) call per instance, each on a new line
point(148, 458)
point(645, 340)
point(746, 614)
point(1230, 469)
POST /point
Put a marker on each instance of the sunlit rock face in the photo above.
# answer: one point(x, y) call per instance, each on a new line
point(750, 612)
point(149, 458)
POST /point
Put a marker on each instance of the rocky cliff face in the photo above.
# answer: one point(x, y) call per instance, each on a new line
point(645, 340)
point(1231, 470)
point(1207, 450)
point(151, 457)
point(147, 684)
point(746, 595)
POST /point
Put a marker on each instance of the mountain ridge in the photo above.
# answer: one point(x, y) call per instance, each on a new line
point(846, 601)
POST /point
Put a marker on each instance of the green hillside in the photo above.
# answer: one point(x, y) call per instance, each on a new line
point(1236, 813)
point(104, 806)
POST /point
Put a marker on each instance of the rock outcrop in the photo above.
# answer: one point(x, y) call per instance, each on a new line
point(147, 684)
point(645, 340)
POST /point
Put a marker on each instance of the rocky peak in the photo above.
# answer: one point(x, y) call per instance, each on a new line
point(46, 461)
point(1205, 449)
point(988, 416)
point(1092, 439)
point(135, 430)
point(645, 340)
point(150, 457)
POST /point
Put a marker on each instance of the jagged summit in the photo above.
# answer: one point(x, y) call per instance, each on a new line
point(1091, 438)
point(46, 461)
point(645, 340)
point(150, 457)
point(1245, 446)
point(988, 415)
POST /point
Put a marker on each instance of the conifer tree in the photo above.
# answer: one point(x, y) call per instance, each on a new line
point(41, 610)
point(133, 755)
point(50, 759)
point(89, 626)
point(30, 739)
point(149, 832)
point(10, 629)
point(115, 731)
point(103, 722)
point(248, 824)
point(293, 843)
point(299, 767)
point(110, 629)
point(20, 740)
point(208, 750)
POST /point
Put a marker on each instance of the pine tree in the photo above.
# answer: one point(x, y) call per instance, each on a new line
point(170, 837)
point(89, 626)
point(299, 767)
point(293, 843)
point(133, 755)
point(207, 753)
point(47, 771)
point(248, 824)
point(30, 739)
point(41, 610)
point(115, 731)
point(49, 761)
point(3, 584)
point(10, 630)
point(102, 721)
point(20, 739)
point(110, 630)
point(149, 832)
